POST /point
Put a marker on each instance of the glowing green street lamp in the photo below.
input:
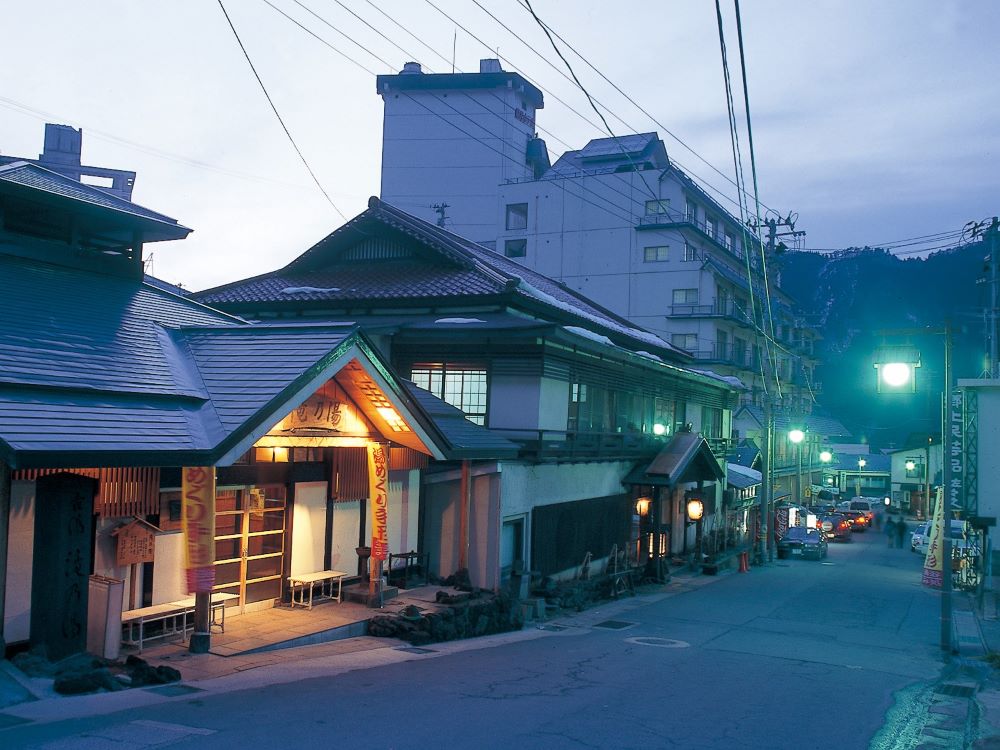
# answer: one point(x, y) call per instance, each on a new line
point(896, 367)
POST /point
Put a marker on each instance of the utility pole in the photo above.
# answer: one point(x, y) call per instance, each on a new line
point(774, 247)
point(992, 243)
point(439, 209)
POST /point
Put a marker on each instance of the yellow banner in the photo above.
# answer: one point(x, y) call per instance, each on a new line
point(198, 522)
point(933, 563)
point(378, 489)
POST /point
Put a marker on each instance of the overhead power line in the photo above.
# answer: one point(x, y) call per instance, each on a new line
point(277, 114)
point(644, 111)
point(329, 45)
point(702, 184)
point(486, 110)
point(590, 99)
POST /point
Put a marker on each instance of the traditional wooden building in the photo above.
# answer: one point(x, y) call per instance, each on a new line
point(109, 384)
point(584, 394)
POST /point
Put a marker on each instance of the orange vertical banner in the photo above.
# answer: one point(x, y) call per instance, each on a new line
point(198, 522)
point(378, 491)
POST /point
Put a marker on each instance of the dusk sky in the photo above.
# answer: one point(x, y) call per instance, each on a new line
point(874, 122)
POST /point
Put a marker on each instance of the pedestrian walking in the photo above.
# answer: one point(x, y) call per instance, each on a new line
point(900, 532)
point(878, 522)
point(890, 531)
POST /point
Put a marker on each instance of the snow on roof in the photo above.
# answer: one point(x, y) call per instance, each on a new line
point(309, 289)
point(745, 471)
point(587, 334)
point(730, 379)
point(605, 322)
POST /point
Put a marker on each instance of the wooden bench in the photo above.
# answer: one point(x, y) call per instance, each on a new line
point(175, 617)
point(300, 583)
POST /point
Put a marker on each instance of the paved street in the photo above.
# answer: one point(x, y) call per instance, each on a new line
point(800, 654)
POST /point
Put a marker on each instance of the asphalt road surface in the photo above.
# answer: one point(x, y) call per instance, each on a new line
point(798, 654)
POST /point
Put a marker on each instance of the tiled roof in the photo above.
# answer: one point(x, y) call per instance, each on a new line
point(465, 439)
point(98, 370)
point(393, 280)
point(35, 177)
point(454, 268)
point(623, 144)
point(86, 331)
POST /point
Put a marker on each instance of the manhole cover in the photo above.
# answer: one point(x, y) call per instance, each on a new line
point(416, 650)
point(958, 691)
point(615, 624)
point(658, 642)
point(174, 690)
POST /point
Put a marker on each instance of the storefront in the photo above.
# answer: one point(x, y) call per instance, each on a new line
point(684, 470)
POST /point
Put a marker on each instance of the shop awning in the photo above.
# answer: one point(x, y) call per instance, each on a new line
point(686, 458)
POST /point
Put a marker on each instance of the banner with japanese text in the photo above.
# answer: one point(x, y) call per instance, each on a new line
point(198, 523)
point(955, 447)
point(378, 487)
point(933, 567)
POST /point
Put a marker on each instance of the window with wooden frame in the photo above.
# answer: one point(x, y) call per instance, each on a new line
point(462, 385)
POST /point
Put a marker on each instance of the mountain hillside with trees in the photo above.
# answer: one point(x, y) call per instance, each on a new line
point(858, 299)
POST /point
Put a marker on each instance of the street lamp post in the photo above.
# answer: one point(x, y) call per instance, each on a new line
point(797, 436)
point(927, 486)
point(825, 457)
point(857, 482)
point(897, 374)
point(695, 512)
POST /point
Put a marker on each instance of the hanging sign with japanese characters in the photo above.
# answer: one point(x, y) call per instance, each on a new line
point(135, 543)
point(198, 522)
point(328, 410)
point(378, 487)
point(956, 451)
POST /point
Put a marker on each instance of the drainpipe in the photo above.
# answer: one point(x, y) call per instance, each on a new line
point(463, 517)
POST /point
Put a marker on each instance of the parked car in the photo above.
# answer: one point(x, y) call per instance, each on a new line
point(802, 542)
point(960, 539)
point(836, 527)
point(918, 538)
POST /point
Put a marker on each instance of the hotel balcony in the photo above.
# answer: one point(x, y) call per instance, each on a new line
point(723, 310)
point(726, 354)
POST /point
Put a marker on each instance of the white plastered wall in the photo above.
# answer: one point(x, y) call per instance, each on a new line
point(346, 516)
point(308, 527)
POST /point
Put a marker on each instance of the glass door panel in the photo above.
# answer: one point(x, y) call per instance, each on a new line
point(250, 542)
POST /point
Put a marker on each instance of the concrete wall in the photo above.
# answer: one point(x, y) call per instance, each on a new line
point(20, 547)
point(455, 147)
point(442, 525)
point(528, 402)
point(525, 487)
point(989, 448)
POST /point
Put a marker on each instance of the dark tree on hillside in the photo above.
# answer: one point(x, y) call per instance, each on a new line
point(853, 295)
